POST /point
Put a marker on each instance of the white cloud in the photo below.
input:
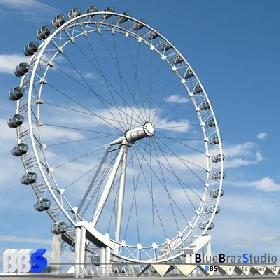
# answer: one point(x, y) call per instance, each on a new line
point(7, 134)
point(244, 221)
point(238, 202)
point(53, 134)
point(235, 156)
point(8, 62)
point(90, 76)
point(26, 5)
point(13, 238)
point(176, 99)
point(175, 126)
point(113, 118)
point(262, 135)
point(242, 155)
point(266, 184)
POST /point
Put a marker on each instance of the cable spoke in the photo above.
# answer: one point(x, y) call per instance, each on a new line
point(181, 183)
point(76, 128)
point(134, 200)
point(77, 158)
point(184, 161)
point(84, 107)
point(101, 178)
point(162, 181)
point(100, 165)
point(179, 142)
point(116, 64)
point(77, 141)
point(90, 90)
point(154, 207)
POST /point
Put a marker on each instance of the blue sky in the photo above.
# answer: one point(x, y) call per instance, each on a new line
point(234, 48)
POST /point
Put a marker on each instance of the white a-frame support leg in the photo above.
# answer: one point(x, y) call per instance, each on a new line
point(208, 249)
point(80, 244)
point(108, 187)
point(105, 259)
point(119, 205)
point(55, 255)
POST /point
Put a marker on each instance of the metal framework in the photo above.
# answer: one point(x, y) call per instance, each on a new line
point(124, 148)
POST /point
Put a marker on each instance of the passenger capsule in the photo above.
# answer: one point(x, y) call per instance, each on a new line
point(218, 175)
point(197, 89)
point(214, 140)
point(203, 225)
point(211, 123)
point(42, 204)
point(91, 9)
point(15, 121)
point(211, 209)
point(166, 47)
point(16, 93)
point(138, 25)
point(31, 48)
point(152, 35)
point(19, 150)
point(218, 158)
point(124, 19)
point(22, 69)
point(204, 106)
point(178, 59)
point(59, 227)
point(189, 74)
point(108, 9)
point(58, 21)
point(44, 32)
point(74, 13)
point(29, 178)
point(215, 193)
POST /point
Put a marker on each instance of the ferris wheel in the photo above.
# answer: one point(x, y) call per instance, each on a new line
point(116, 131)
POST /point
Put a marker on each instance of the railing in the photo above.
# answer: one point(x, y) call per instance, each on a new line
point(171, 270)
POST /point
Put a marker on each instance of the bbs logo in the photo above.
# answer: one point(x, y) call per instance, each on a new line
point(24, 261)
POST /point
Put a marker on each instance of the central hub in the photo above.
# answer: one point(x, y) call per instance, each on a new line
point(132, 135)
point(139, 132)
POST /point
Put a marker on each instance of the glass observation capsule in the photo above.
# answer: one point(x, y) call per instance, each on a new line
point(43, 32)
point(210, 123)
point(22, 69)
point(197, 89)
point(31, 48)
point(108, 9)
point(138, 25)
point(59, 227)
point(123, 19)
point(215, 193)
point(166, 47)
point(74, 13)
point(204, 106)
point(16, 93)
point(91, 9)
point(211, 209)
point(218, 158)
point(214, 140)
point(153, 35)
point(42, 204)
point(178, 59)
point(203, 225)
point(19, 150)
point(218, 175)
point(58, 21)
point(29, 178)
point(189, 74)
point(15, 121)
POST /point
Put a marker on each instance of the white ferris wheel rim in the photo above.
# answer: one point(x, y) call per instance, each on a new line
point(39, 55)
